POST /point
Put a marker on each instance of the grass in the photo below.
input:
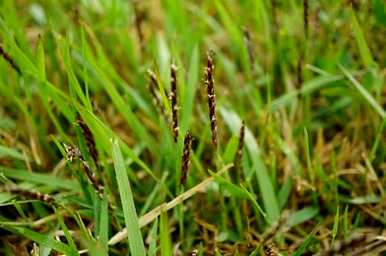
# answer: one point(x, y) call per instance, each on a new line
point(86, 117)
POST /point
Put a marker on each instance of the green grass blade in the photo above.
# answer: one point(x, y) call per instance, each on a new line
point(361, 42)
point(165, 243)
point(366, 95)
point(301, 216)
point(10, 152)
point(104, 224)
point(335, 227)
point(137, 247)
point(307, 242)
point(39, 178)
point(154, 237)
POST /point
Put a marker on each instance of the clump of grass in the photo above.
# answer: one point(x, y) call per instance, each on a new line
point(313, 143)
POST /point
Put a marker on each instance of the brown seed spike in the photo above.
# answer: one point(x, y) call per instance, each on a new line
point(249, 46)
point(139, 18)
point(28, 194)
point(73, 153)
point(173, 99)
point(305, 17)
point(10, 61)
point(92, 178)
point(239, 153)
point(185, 158)
point(299, 72)
point(209, 83)
point(89, 139)
point(153, 87)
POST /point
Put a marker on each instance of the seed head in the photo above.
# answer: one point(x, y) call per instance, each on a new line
point(89, 139)
point(185, 158)
point(299, 71)
point(173, 100)
point(74, 153)
point(239, 153)
point(28, 194)
point(249, 46)
point(92, 178)
point(305, 17)
point(153, 88)
point(209, 83)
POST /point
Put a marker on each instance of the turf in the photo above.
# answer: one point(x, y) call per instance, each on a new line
point(207, 127)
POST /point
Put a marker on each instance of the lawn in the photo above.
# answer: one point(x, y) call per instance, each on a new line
point(181, 127)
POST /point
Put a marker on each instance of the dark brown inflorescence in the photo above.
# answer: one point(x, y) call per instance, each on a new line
point(28, 194)
point(209, 83)
point(173, 100)
point(92, 178)
point(153, 87)
point(305, 17)
point(299, 72)
point(89, 139)
point(239, 153)
point(138, 19)
point(249, 45)
point(185, 158)
point(73, 153)
point(10, 61)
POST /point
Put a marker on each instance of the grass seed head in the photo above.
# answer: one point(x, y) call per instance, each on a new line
point(89, 139)
point(173, 100)
point(239, 152)
point(209, 83)
point(138, 20)
point(185, 158)
point(92, 178)
point(299, 72)
point(74, 153)
point(249, 46)
point(305, 17)
point(153, 88)
point(28, 194)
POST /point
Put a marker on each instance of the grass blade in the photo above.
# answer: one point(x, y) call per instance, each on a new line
point(368, 97)
point(131, 219)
